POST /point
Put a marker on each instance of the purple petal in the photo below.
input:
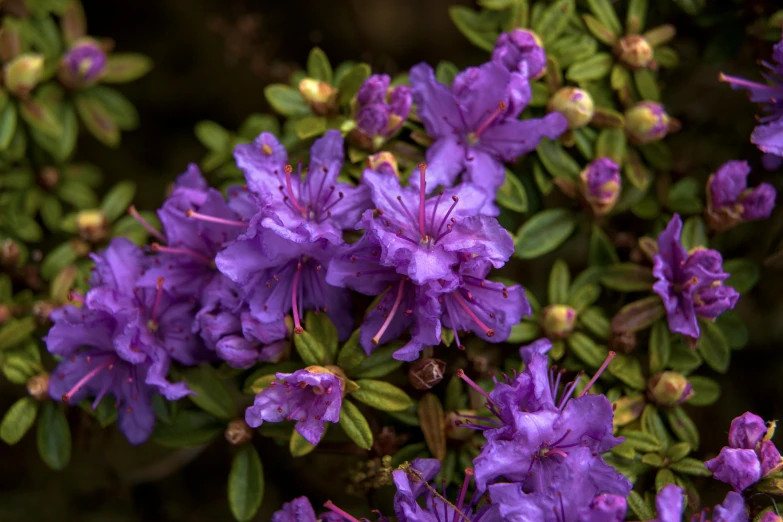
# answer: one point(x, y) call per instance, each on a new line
point(739, 468)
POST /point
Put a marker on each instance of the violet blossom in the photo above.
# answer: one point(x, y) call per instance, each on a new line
point(601, 185)
point(84, 63)
point(730, 201)
point(690, 284)
point(521, 50)
point(300, 510)
point(381, 110)
point(475, 125)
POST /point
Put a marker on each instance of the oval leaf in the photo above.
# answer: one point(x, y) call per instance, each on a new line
point(638, 315)
point(544, 232)
point(245, 483)
point(381, 395)
point(433, 425)
point(18, 420)
point(355, 425)
point(211, 395)
point(310, 349)
point(54, 436)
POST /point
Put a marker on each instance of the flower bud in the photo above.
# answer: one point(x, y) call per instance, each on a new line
point(454, 430)
point(48, 177)
point(9, 253)
point(426, 373)
point(521, 50)
point(38, 386)
point(383, 162)
point(730, 201)
point(558, 321)
point(646, 122)
point(238, 432)
point(83, 64)
point(23, 73)
point(601, 185)
point(93, 225)
point(670, 389)
point(319, 95)
point(575, 104)
point(769, 516)
point(634, 51)
point(5, 313)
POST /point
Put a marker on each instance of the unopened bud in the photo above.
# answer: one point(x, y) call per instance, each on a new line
point(23, 73)
point(426, 373)
point(646, 122)
point(83, 64)
point(238, 432)
point(575, 104)
point(601, 185)
point(38, 386)
point(634, 51)
point(48, 177)
point(9, 253)
point(93, 225)
point(383, 162)
point(670, 389)
point(454, 428)
point(558, 321)
point(319, 95)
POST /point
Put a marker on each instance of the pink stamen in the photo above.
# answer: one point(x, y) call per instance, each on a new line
point(334, 509)
point(422, 197)
point(492, 117)
point(555, 451)
point(489, 332)
point(143, 222)
point(159, 287)
point(599, 372)
point(157, 247)
point(84, 380)
point(462, 492)
point(297, 326)
point(288, 170)
point(391, 314)
point(472, 384)
point(212, 219)
point(73, 295)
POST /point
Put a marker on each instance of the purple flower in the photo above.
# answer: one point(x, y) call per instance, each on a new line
point(730, 201)
point(739, 468)
point(310, 397)
point(84, 62)
point(768, 135)
point(601, 185)
point(690, 285)
point(300, 510)
point(521, 51)
point(301, 209)
point(747, 431)
point(669, 503)
point(381, 111)
point(604, 508)
point(731, 510)
point(475, 125)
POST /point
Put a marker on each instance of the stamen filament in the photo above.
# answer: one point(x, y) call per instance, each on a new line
point(334, 509)
point(489, 332)
point(297, 326)
point(143, 222)
point(87, 377)
point(159, 288)
point(422, 197)
point(472, 384)
point(288, 170)
point(390, 315)
point(462, 492)
point(157, 247)
point(212, 219)
point(73, 295)
point(492, 117)
point(599, 372)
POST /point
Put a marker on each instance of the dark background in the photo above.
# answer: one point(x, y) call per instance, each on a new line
point(212, 60)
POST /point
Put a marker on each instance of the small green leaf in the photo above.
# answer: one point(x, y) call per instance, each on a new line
point(585, 348)
point(318, 66)
point(321, 327)
point(57, 259)
point(553, 20)
point(213, 136)
point(187, 428)
point(683, 426)
point(599, 30)
point(352, 81)
point(445, 73)
point(611, 143)
point(351, 354)
point(712, 345)
point(705, 391)
point(678, 451)
point(286, 100)
point(245, 483)
point(310, 349)
point(7, 125)
point(118, 199)
point(596, 322)
point(628, 277)
point(211, 395)
point(41, 117)
point(125, 67)
point(381, 395)
point(98, 120)
point(734, 329)
point(54, 436)
point(299, 446)
point(647, 85)
point(15, 331)
point(642, 441)
point(636, 16)
point(557, 161)
point(594, 68)
point(744, 274)
point(653, 424)
point(601, 252)
point(523, 332)
point(380, 363)
point(559, 281)
point(511, 194)
point(18, 420)
point(683, 359)
point(118, 106)
point(604, 11)
point(639, 507)
point(638, 315)
point(310, 126)
point(659, 346)
point(684, 196)
point(584, 297)
point(471, 25)
point(628, 370)
point(663, 477)
point(544, 232)
point(690, 466)
point(355, 425)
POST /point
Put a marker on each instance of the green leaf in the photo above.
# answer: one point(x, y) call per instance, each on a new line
point(445, 73)
point(310, 349)
point(713, 347)
point(553, 20)
point(733, 328)
point(642, 441)
point(14, 331)
point(559, 281)
point(299, 446)
point(98, 120)
point(57, 259)
point(77, 194)
point(187, 428)
point(705, 391)
point(7, 125)
point(511, 194)
point(683, 426)
point(355, 425)
point(125, 67)
point(663, 477)
point(118, 199)
point(381, 395)
point(690, 466)
point(659, 346)
point(318, 66)
point(351, 354)
point(211, 395)
point(51, 212)
point(255, 124)
point(744, 274)
point(41, 117)
point(544, 232)
point(647, 85)
point(628, 370)
point(583, 347)
point(596, 322)
point(628, 277)
point(321, 327)
point(599, 30)
point(684, 196)
point(601, 251)
point(694, 233)
point(557, 161)
point(611, 143)
point(653, 424)
point(245, 483)
point(409, 453)
point(213, 136)
point(604, 11)
point(523, 332)
point(352, 81)
point(640, 508)
point(455, 396)
point(471, 25)
point(286, 100)
point(433, 425)
point(54, 436)
point(683, 359)
point(678, 451)
point(18, 420)
point(636, 16)
point(380, 362)
point(118, 106)
point(584, 297)
point(593, 68)
point(638, 315)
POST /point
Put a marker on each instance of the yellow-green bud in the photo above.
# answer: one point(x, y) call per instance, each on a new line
point(38, 386)
point(319, 95)
point(93, 225)
point(23, 73)
point(670, 389)
point(575, 104)
point(634, 51)
point(558, 321)
point(646, 122)
point(383, 162)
